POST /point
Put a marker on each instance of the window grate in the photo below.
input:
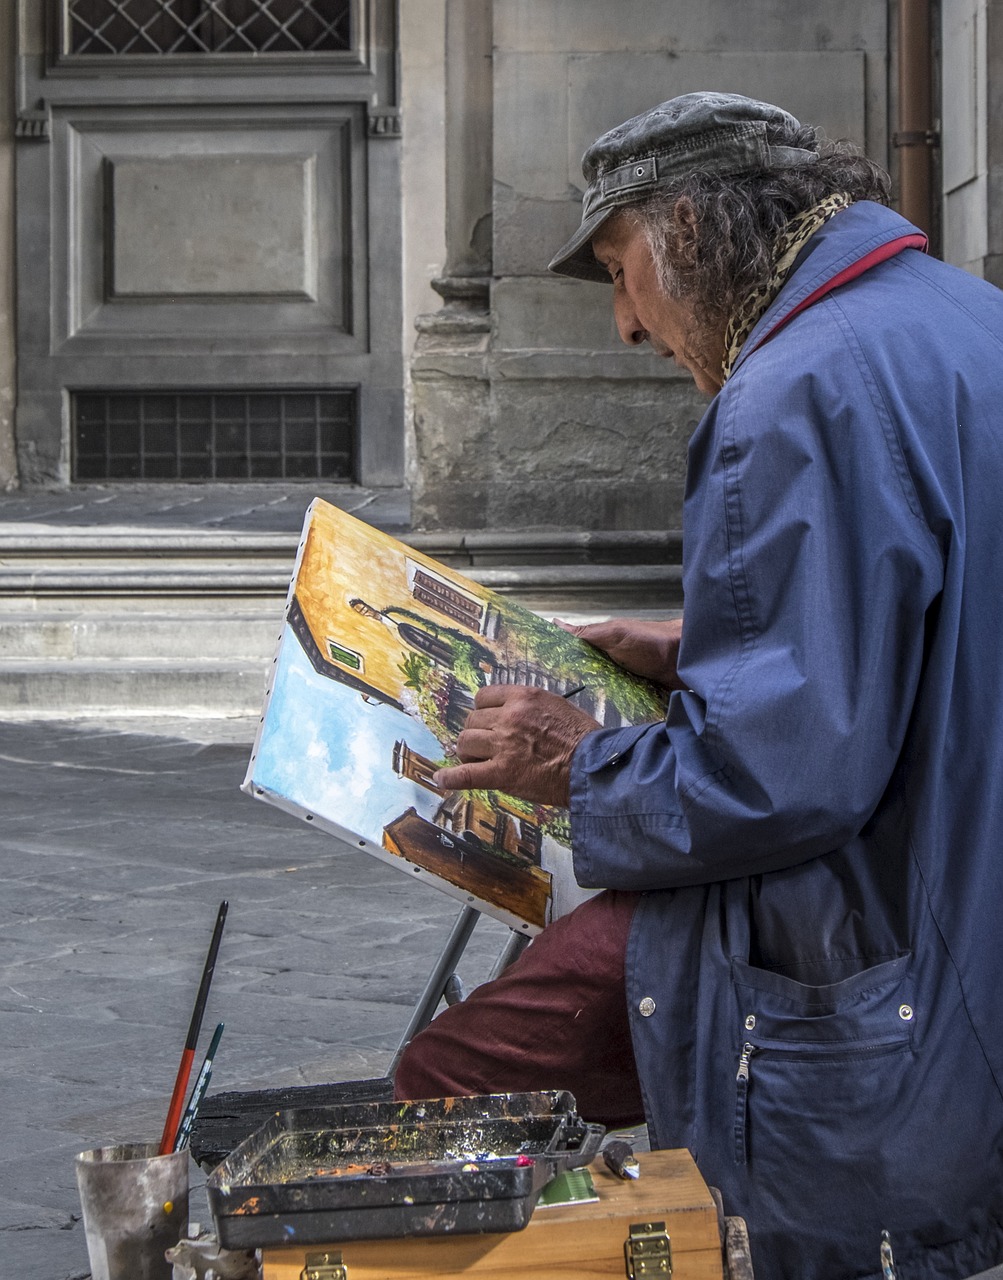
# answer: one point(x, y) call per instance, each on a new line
point(215, 435)
point(184, 27)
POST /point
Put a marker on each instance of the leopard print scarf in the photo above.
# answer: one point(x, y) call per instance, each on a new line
point(791, 241)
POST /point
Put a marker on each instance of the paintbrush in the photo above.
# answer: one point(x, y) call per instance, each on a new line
point(198, 1093)
point(169, 1136)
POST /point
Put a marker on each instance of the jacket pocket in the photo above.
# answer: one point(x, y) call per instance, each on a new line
point(807, 1054)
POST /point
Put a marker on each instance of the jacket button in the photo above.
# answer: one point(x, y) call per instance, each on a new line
point(615, 758)
point(906, 1012)
point(750, 1022)
point(647, 1007)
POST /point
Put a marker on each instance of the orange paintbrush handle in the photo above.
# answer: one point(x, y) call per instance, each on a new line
point(177, 1102)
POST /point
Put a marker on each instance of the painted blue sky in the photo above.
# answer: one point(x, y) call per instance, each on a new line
point(326, 749)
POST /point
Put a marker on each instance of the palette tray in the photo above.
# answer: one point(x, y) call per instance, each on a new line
point(226, 1119)
point(368, 1171)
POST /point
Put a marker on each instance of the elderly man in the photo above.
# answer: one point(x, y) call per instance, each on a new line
point(795, 969)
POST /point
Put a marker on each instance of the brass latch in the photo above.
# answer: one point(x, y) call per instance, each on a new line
point(324, 1266)
point(647, 1251)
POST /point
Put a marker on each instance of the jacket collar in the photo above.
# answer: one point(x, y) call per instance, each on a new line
point(845, 239)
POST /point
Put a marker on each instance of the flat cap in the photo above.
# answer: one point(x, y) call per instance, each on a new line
point(697, 132)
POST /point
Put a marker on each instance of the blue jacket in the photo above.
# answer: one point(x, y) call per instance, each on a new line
point(817, 827)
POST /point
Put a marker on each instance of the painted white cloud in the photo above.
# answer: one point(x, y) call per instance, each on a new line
point(325, 749)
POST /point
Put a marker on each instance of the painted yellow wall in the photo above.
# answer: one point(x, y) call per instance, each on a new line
point(344, 558)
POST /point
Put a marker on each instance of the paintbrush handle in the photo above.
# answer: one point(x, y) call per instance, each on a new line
point(210, 968)
point(169, 1136)
point(177, 1102)
point(191, 1111)
point(198, 1093)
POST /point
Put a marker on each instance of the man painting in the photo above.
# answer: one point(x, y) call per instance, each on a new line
point(793, 971)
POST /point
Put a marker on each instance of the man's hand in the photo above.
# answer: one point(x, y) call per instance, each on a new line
point(518, 740)
point(647, 647)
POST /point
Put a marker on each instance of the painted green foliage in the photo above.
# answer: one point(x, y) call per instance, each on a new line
point(521, 638)
point(568, 658)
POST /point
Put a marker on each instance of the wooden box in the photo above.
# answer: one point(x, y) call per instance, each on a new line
point(579, 1241)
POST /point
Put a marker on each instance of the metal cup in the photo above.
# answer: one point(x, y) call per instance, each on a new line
point(135, 1206)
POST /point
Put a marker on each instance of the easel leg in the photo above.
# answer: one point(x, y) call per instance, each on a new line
point(428, 1002)
point(515, 945)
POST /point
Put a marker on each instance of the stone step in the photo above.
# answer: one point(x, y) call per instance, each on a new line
point(588, 588)
point(162, 580)
point(154, 687)
point(125, 637)
point(52, 585)
point(124, 620)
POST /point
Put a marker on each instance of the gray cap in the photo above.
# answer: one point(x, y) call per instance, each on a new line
point(705, 132)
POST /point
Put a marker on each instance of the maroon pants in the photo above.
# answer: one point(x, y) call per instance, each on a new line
point(555, 1019)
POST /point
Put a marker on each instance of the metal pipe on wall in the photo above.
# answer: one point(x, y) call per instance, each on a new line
point(915, 136)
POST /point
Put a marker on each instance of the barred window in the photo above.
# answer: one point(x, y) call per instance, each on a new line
point(226, 435)
point(185, 27)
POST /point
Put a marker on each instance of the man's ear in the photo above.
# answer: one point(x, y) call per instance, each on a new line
point(687, 232)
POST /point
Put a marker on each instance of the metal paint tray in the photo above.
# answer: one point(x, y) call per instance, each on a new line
point(364, 1171)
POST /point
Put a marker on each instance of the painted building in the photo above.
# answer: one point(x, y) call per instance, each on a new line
point(500, 826)
point(522, 889)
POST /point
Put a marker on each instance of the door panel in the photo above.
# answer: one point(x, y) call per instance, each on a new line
point(248, 231)
point(208, 202)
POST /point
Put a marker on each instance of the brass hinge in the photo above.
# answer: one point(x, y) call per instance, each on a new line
point(647, 1251)
point(324, 1266)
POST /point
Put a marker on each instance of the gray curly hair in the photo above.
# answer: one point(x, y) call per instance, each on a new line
point(739, 218)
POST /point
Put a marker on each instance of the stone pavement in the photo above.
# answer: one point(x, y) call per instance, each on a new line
point(117, 842)
point(262, 508)
point(116, 848)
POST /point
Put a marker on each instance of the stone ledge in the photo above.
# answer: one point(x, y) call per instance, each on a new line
point(129, 579)
point(587, 581)
point(29, 542)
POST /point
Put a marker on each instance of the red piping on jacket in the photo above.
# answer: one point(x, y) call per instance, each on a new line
point(914, 240)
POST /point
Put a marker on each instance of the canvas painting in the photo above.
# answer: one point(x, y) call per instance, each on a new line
point(382, 652)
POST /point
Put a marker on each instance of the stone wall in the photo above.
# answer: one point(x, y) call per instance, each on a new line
point(533, 414)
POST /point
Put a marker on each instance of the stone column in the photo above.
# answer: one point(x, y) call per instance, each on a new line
point(449, 370)
point(8, 62)
point(469, 120)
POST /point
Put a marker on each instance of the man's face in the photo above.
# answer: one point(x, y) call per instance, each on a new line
point(643, 311)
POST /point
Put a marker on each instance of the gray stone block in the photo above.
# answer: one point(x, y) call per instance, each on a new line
point(718, 25)
point(530, 87)
point(594, 431)
point(650, 505)
point(533, 313)
point(826, 89)
point(528, 230)
point(453, 442)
